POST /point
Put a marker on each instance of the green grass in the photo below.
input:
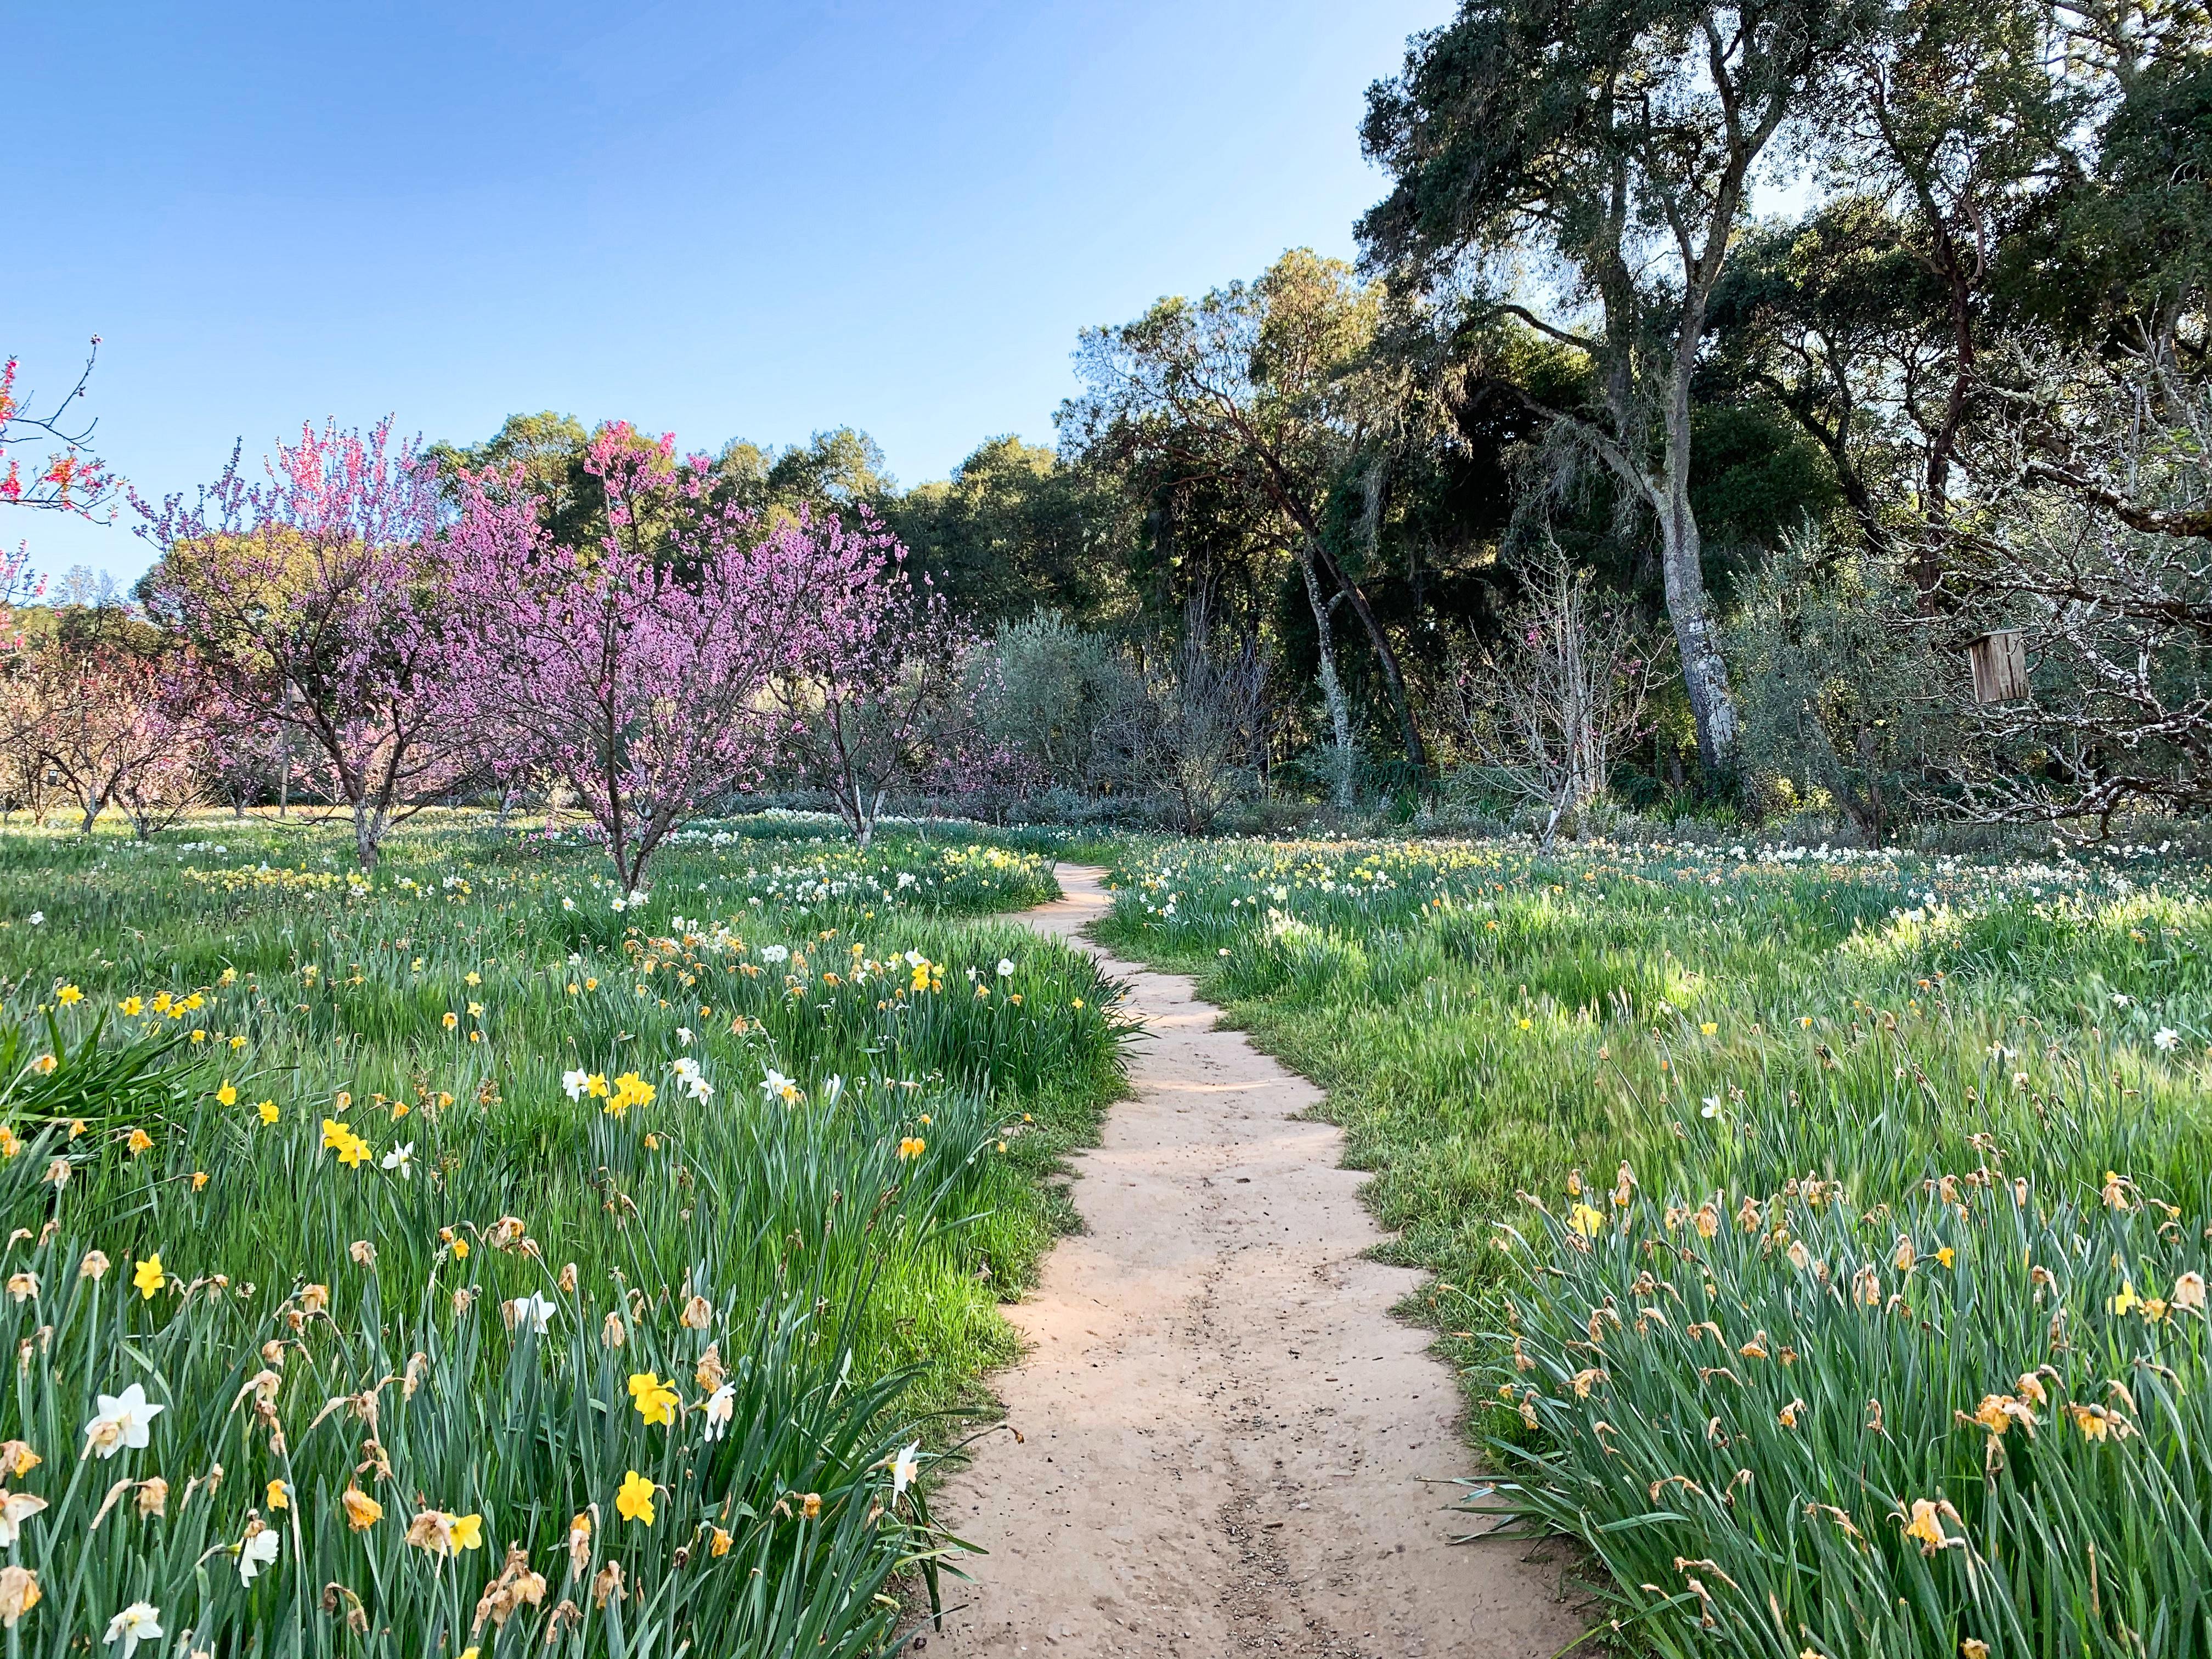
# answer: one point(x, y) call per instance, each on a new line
point(334, 1317)
point(1698, 1143)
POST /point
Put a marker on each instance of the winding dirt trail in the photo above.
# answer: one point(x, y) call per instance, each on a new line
point(1232, 1447)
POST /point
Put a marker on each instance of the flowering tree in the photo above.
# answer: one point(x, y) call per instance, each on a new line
point(109, 724)
point(631, 666)
point(71, 479)
point(317, 601)
point(867, 676)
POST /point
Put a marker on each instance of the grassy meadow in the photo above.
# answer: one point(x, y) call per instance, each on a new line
point(471, 1258)
point(1823, 1235)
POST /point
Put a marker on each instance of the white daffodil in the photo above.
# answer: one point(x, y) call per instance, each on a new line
point(776, 1086)
point(832, 1088)
point(684, 1034)
point(37, 918)
point(259, 1550)
point(720, 1407)
point(574, 1082)
point(568, 905)
point(1006, 967)
point(16, 1508)
point(905, 1466)
point(400, 1160)
point(2165, 1039)
point(1712, 1107)
point(139, 1622)
point(533, 1313)
point(122, 1421)
point(685, 1067)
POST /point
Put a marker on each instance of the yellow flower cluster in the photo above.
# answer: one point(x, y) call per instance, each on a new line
point(352, 1150)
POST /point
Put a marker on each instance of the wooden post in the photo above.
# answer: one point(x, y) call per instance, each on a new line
point(2000, 664)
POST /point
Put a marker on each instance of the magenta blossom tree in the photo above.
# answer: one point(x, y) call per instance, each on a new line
point(318, 601)
point(868, 679)
point(632, 667)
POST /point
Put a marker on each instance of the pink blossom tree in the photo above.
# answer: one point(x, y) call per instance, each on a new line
point(317, 600)
point(110, 724)
point(632, 666)
point(868, 679)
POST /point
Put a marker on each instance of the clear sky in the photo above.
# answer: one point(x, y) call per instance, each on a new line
point(735, 220)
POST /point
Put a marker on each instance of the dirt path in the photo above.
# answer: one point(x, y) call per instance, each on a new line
point(1231, 1444)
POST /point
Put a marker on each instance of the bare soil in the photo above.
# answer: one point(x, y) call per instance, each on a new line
point(1230, 1446)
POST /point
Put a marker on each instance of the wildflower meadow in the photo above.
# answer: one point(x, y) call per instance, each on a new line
point(1822, 1236)
point(477, 1256)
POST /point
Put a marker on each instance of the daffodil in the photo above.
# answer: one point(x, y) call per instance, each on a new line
point(149, 1277)
point(655, 1401)
point(635, 1501)
point(226, 1095)
point(255, 1551)
point(139, 1622)
point(16, 1508)
point(124, 1422)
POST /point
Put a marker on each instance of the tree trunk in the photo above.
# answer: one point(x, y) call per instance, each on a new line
point(1332, 689)
point(1385, 654)
point(1704, 673)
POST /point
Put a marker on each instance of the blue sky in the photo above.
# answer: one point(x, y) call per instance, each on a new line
point(741, 220)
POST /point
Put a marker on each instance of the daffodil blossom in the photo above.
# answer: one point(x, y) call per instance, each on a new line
point(16, 1508)
point(123, 1420)
point(905, 1466)
point(574, 1082)
point(259, 1550)
point(139, 1622)
point(720, 1407)
point(530, 1313)
point(401, 1161)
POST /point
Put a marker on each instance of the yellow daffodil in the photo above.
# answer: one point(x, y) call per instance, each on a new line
point(635, 1501)
point(69, 996)
point(149, 1277)
point(268, 1110)
point(226, 1095)
point(361, 1511)
point(654, 1400)
point(131, 1007)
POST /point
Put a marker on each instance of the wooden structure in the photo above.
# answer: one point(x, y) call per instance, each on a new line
point(2000, 662)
